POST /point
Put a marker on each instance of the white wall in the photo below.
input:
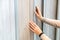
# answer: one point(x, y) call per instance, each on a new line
point(7, 20)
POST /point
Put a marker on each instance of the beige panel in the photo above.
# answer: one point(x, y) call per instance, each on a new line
point(31, 16)
point(23, 19)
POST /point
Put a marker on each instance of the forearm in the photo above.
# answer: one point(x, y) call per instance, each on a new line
point(44, 37)
point(55, 23)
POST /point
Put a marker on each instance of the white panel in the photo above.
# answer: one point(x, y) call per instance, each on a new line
point(39, 4)
point(58, 17)
point(1, 21)
point(7, 21)
point(49, 12)
point(23, 19)
point(31, 17)
point(12, 19)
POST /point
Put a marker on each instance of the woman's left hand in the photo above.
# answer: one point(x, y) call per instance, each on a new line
point(33, 27)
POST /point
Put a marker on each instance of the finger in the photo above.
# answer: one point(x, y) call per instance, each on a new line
point(36, 14)
point(31, 24)
point(31, 29)
point(34, 24)
point(38, 9)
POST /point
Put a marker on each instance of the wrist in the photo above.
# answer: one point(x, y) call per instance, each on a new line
point(42, 19)
point(40, 31)
point(41, 34)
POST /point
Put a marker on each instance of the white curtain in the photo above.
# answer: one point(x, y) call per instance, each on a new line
point(7, 20)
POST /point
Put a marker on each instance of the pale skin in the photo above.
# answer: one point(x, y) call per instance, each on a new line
point(33, 27)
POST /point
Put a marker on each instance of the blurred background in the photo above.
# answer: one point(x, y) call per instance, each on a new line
point(8, 29)
point(15, 15)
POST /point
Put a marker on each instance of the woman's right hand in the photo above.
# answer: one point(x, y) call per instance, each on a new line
point(38, 13)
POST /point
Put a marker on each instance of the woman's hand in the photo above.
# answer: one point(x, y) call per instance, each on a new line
point(33, 27)
point(38, 13)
